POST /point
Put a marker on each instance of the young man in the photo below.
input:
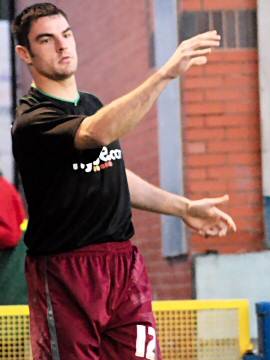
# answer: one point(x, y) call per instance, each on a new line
point(89, 294)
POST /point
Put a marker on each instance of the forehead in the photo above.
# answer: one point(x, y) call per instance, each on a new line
point(48, 24)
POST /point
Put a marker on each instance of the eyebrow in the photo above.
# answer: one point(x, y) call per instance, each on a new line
point(38, 37)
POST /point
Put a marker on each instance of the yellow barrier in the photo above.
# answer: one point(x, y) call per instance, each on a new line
point(14, 333)
point(187, 330)
point(203, 329)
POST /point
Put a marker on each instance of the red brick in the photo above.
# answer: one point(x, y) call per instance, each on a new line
point(242, 239)
point(245, 184)
point(229, 4)
point(228, 172)
point(207, 186)
point(206, 108)
point(230, 55)
point(248, 133)
point(240, 80)
point(221, 108)
point(193, 96)
point(245, 159)
point(242, 107)
point(185, 292)
point(230, 68)
point(247, 120)
point(202, 161)
point(249, 223)
point(231, 94)
point(201, 82)
point(195, 71)
point(204, 134)
point(195, 174)
point(246, 211)
point(195, 148)
point(252, 197)
point(240, 146)
point(189, 5)
point(194, 122)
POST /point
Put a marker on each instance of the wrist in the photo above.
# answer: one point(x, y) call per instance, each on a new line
point(165, 74)
point(183, 206)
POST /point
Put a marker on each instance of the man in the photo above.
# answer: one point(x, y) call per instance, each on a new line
point(89, 293)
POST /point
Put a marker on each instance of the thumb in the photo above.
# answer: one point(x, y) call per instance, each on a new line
point(218, 200)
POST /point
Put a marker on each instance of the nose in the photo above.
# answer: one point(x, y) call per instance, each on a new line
point(60, 44)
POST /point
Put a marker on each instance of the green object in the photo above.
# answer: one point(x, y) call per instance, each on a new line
point(13, 288)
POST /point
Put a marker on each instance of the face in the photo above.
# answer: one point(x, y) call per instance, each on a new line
point(52, 48)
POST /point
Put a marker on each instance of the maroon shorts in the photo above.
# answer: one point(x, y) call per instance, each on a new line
point(92, 303)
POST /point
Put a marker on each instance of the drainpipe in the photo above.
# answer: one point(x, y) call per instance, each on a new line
point(264, 80)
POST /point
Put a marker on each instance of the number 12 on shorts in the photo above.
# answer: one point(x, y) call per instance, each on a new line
point(144, 349)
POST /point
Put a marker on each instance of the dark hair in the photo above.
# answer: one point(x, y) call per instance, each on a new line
point(22, 24)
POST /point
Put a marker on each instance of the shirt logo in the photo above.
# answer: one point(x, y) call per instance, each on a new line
point(104, 161)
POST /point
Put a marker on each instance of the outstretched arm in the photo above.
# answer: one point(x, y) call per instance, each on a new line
point(203, 216)
point(120, 116)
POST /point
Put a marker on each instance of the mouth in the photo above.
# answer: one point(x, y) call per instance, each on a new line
point(65, 59)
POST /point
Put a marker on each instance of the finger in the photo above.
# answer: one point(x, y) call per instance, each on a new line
point(200, 60)
point(223, 229)
point(207, 231)
point(212, 231)
point(218, 200)
point(227, 219)
point(195, 53)
point(199, 43)
point(207, 34)
point(205, 43)
point(202, 233)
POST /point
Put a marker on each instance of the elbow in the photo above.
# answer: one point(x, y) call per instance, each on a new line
point(90, 139)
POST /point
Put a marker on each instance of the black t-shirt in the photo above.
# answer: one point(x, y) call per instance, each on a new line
point(75, 198)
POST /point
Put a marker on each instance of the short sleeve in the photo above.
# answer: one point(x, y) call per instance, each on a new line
point(45, 128)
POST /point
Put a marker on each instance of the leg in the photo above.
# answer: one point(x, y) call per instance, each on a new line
point(60, 328)
point(130, 332)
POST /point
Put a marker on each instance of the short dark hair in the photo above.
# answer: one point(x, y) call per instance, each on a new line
point(22, 24)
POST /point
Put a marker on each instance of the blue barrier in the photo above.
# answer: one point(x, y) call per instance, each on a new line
point(263, 318)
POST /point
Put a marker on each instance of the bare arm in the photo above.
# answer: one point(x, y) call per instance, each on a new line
point(123, 114)
point(145, 196)
point(201, 215)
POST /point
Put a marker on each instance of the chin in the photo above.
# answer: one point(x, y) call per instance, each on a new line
point(60, 76)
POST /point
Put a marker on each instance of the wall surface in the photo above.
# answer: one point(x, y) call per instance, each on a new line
point(221, 121)
point(234, 276)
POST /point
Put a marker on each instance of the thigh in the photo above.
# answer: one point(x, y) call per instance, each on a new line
point(134, 341)
point(59, 324)
point(131, 332)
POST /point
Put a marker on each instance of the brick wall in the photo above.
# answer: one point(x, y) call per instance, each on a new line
point(222, 132)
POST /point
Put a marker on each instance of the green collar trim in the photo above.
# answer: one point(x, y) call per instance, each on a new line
point(75, 101)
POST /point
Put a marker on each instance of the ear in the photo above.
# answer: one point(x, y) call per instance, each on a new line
point(24, 54)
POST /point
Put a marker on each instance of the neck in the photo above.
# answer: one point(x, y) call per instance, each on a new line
point(66, 89)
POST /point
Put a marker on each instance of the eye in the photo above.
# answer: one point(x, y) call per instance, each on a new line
point(44, 40)
point(67, 34)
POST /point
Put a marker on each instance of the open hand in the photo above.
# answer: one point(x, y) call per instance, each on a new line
point(190, 52)
point(206, 219)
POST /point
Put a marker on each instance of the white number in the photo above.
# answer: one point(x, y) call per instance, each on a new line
point(151, 347)
point(141, 342)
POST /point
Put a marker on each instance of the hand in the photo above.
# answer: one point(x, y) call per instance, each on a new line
point(204, 217)
point(190, 52)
